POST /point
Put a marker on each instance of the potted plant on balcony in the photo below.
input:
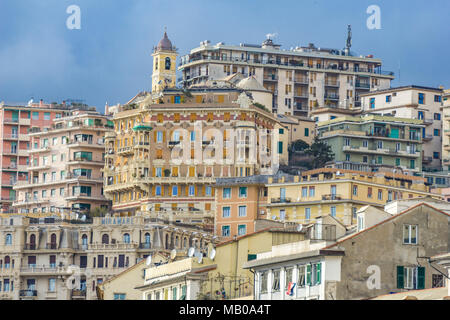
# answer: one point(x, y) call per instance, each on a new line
point(167, 172)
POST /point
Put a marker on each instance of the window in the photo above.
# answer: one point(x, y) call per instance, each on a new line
point(282, 214)
point(263, 282)
point(174, 191)
point(158, 190)
point(313, 274)
point(301, 276)
point(126, 238)
point(436, 155)
point(225, 231)
point(52, 284)
point(437, 116)
point(410, 277)
point(226, 193)
point(191, 190)
point(282, 194)
point(409, 234)
point(365, 143)
point(379, 144)
point(306, 132)
point(397, 162)
point(280, 147)
point(242, 192)
point(192, 135)
point(346, 141)
point(8, 239)
point(333, 211)
point(421, 98)
point(436, 132)
point(438, 281)
point(372, 103)
point(275, 280)
point(288, 276)
point(355, 190)
point(360, 223)
point(35, 116)
point(304, 192)
point(347, 157)
point(242, 211)
point(119, 296)
point(208, 191)
point(307, 214)
point(388, 98)
point(226, 212)
point(312, 191)
point(380, 194)
point(242, 229)
point(159, 136)
point(437, 98)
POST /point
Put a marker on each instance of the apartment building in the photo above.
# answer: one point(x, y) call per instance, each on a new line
point(45, 257)
point(238, 205)
point(413, 102)
point(169, 146)
point(299, 128)
point(302, 79)
point(398, 247)
point(339, 193)
point(65, 166)
point(446, 129)
point(16, 122)
point(375, 141)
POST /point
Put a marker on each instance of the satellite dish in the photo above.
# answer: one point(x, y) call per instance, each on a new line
point(191, 252)
point(212, 254)
point(274, 217)
point(30, 102)
point(299, 227)
point(149, 260)
point(200, 258)
point(83, 218)
point(173, 254)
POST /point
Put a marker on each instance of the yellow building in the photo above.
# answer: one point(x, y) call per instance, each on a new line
point(339, 193)
point(169, 146)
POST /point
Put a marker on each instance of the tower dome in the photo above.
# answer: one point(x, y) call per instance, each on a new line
point(164, 43)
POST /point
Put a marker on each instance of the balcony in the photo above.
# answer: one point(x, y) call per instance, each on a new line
point(125, 151)
point(29, 293)
point(331, 197)
point(331, 96)
point(301, 80)
point(303, 95)
point(113, 246)
point(332, 83)
point(173, 143)
point(427, 159)
point(270, 77)
point(43, 270)
point(427, 137)
point(362, 85)
point(11, 120)
point(24, 121)
point(78, 294)
point(280, 200)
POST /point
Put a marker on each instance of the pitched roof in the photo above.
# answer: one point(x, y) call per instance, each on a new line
point(383, 222)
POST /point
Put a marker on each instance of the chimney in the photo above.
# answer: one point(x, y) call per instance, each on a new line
point(41, 102)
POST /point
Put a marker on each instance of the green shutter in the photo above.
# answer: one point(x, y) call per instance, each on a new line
point(318, 273)
point(420, 277)
point(280, 147)
point(400, 277)
point(308, 274)
point(251, 257)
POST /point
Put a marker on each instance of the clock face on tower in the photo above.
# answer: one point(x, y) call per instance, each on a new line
point(168, 63)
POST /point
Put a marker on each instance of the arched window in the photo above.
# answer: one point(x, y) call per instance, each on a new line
point(33, 242)
point(7, 262)
point(53, 241)
point(126, 238)
point(147, 240)
point(156, 63)
point(184, 243)
point(84, 239)
point(166, 243)
point(8, 239)
point(176, 241)
point(127, 261)
point(105, 239)
point(168, 63)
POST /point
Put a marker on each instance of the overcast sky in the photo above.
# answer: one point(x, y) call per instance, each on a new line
point(108, 59)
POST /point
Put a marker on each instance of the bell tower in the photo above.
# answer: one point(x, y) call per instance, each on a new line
point(164, 65)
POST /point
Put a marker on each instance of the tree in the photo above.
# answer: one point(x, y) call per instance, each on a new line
point(321, 153)
point(298, 145)
point(98, 212)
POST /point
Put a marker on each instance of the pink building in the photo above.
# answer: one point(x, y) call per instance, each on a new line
point(17, 121)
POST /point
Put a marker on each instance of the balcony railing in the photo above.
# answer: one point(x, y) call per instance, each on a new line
point(280, 200)
point(28, 293)
point(79, 293)
point(291, 62)
point(331, 197)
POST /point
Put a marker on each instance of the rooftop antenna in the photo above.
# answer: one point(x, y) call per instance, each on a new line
point(349, 40)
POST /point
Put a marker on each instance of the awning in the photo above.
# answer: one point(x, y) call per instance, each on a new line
point(142, 127)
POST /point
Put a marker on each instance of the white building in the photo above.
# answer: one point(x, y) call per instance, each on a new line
point(413, 102)
point(302, 79)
